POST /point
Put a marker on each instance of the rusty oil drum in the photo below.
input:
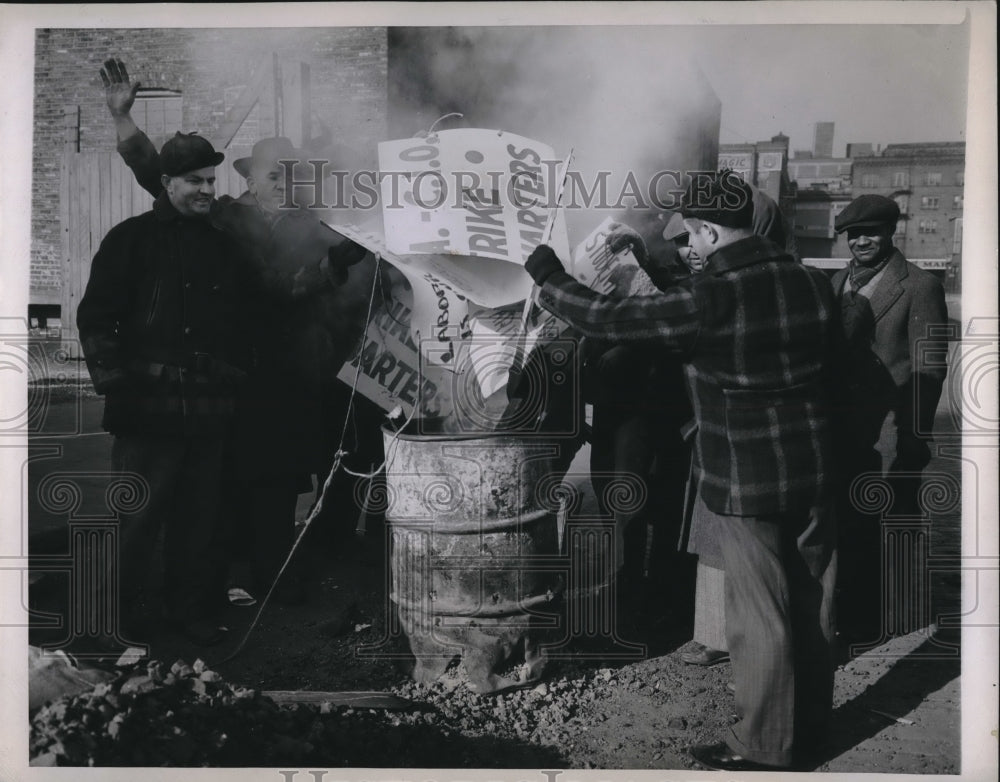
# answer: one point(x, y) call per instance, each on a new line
point(474, 561)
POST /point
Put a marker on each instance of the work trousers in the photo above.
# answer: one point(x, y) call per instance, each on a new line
point(780, 578)
point(867, 613)
point(653, 459)
point(183, 476)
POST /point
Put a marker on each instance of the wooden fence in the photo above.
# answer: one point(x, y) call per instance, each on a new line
point(98, 191)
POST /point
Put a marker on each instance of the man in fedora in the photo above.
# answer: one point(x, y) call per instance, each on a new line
point(889, 309)
point(162, 326)
point(313, 288)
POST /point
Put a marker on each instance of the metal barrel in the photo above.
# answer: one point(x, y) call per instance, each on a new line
point(475, 562)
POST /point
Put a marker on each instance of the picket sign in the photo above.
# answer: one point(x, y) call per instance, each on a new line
point(495, 344)
point(470, 192)
point(398, 368)
point(410, 354)
point(462, 210)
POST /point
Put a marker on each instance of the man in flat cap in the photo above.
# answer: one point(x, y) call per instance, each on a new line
point(756, 330)
point(162, 325)
point(313, 292)
point(889, 308)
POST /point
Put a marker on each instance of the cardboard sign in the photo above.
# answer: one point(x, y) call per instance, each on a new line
point(391, 373)
point(484, 281)
point(494, 342)
point(438, 315)
point(470, 192)
point(595, 266)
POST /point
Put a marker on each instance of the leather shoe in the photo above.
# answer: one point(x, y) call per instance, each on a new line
point(721, 758)
point(705, 656)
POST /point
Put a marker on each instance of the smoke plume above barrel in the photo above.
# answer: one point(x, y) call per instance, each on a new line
point(626, 99)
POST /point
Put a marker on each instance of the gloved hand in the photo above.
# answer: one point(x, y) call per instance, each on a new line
point(622, 237)
point(339, 258)
point(542, 263)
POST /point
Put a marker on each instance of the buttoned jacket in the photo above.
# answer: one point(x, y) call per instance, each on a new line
point(163, 323)
point(898, 362)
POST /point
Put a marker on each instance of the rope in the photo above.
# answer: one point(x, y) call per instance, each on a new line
point(337, 464)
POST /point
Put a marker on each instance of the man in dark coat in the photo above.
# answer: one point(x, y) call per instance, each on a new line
point(639, 410)
point(758, 331)
point(162, 326)
point(893, 313)
point(312, 302)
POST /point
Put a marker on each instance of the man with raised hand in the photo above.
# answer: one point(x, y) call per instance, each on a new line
point(313, 293)
point(162, 325)
point(757, 331)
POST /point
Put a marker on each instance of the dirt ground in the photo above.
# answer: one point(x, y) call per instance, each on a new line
point(625, 703)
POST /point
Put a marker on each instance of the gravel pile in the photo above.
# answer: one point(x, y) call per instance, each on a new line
point(187, 715)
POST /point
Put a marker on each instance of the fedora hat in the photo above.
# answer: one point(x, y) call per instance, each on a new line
point(267, 152)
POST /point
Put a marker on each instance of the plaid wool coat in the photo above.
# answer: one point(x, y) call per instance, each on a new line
point(758, 332)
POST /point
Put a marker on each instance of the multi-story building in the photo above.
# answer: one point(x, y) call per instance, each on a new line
point(925, 179)
point(823, 139)
point(765, 165)
point(826, 174)
point(815, 212)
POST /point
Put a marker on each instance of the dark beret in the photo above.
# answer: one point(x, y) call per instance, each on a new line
point(723, 199)
point(867, 211)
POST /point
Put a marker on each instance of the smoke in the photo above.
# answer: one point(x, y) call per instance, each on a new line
point(625, 99)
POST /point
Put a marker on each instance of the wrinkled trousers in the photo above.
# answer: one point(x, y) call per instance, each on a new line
point(183, 477)
point(780, 578)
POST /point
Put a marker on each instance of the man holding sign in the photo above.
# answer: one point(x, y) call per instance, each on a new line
point(757, 331)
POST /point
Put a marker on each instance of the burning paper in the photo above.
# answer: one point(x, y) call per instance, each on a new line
point(495, 346)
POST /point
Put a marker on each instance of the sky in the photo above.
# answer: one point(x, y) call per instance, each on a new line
point(879, 84)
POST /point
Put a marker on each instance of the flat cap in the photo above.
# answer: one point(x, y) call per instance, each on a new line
point(867, 211)
point(188, 152)
point(723, 199)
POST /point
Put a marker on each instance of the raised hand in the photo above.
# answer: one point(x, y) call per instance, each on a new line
point(118, 88)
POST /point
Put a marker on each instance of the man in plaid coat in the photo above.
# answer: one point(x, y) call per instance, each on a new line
point(757, 331)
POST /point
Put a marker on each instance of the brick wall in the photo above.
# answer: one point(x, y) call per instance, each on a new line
point(348, 69)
